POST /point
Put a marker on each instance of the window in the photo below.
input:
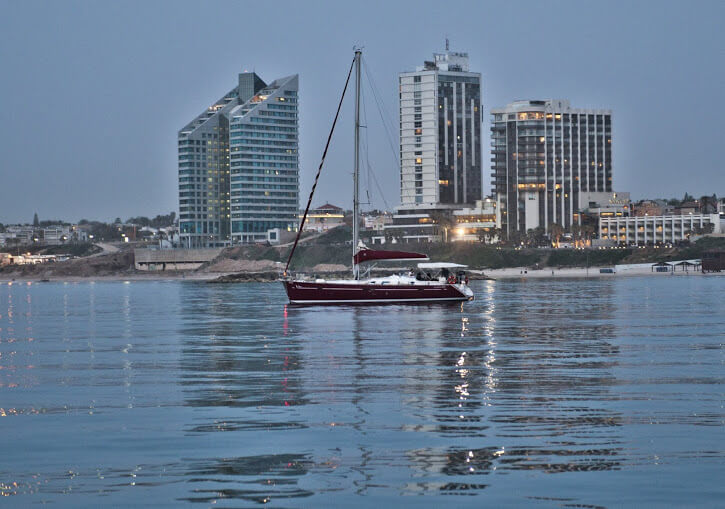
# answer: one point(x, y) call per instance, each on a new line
point(416, 79)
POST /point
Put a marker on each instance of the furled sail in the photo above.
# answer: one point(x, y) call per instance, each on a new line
point(371, 255)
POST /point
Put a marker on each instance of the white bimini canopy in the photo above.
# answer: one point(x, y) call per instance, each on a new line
point(440, 265)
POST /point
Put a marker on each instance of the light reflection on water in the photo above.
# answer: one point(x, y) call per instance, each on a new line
point(539, 392)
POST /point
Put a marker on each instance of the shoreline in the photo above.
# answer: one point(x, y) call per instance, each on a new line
point(252, 277)
point(592, 272)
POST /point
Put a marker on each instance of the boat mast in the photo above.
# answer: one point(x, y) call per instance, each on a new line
point(356, 171)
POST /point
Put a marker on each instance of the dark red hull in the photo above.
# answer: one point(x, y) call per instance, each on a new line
point(304, 292)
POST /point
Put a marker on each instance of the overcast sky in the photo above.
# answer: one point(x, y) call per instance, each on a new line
point(92, 94)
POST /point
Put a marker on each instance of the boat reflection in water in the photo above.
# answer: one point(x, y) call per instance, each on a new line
point(550, 391)
point(430, 399)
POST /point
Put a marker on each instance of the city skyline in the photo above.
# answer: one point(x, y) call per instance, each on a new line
point(76, 143)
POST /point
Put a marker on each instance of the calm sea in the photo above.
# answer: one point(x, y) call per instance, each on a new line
point(560, 393)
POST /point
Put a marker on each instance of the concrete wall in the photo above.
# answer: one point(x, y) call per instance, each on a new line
point(173, 259)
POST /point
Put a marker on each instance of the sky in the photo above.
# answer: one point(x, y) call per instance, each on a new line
point(92, 94)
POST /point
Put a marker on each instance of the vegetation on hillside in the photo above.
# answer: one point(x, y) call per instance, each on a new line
point(493, 256)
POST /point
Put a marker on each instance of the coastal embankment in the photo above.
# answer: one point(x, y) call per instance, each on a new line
point(328, 255)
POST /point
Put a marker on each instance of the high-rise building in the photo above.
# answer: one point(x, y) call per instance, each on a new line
point(247, 179)
point(440, 132)
point(440, 146)
point(264, 163)
point(546, 159)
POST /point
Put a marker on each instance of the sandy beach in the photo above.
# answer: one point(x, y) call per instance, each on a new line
point(568, 272)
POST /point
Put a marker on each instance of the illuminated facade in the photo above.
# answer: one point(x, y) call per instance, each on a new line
point(652, 230)
point(264, 162)
point(440, 133)
point(234, 183)
point(324, 218)
point(546, 158)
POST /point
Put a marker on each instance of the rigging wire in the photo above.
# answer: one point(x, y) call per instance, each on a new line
point(381, 106)
point(319, 169)
point(370, 175)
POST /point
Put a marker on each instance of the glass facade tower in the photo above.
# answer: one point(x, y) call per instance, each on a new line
point(546, 157)
point(221, 181)
point(264, 162)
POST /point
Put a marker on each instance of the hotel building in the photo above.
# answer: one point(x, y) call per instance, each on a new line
point(546, 158)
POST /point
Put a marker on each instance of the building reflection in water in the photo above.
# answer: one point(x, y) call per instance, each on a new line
point(240, 368)
point(447, 394)
point(526, 388)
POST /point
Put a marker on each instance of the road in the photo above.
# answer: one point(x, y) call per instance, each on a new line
point(106, 249)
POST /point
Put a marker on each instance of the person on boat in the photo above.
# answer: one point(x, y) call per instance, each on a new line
point(445, 275)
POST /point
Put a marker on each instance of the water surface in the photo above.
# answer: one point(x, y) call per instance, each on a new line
point(548, 393)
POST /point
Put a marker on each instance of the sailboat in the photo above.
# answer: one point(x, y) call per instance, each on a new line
point(432, 282)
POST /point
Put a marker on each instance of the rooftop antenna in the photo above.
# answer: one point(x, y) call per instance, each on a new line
point(447, 44)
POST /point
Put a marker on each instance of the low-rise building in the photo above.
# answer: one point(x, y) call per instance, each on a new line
point(18, 235)
point(652, 230)
point(53, 235)
point(647, 208)
point(173, 259)
point(420, 223)
point(324, 218)
point(436, 223)
point(377, 221)
point(476, 224)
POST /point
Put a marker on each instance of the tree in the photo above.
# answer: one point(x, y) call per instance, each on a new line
point(708, 204)
point(444, 221)
point(117, 221)
point(36, 222)
point(538, 236)
point(555, 233)
point(515, 238)
point(687, 197)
